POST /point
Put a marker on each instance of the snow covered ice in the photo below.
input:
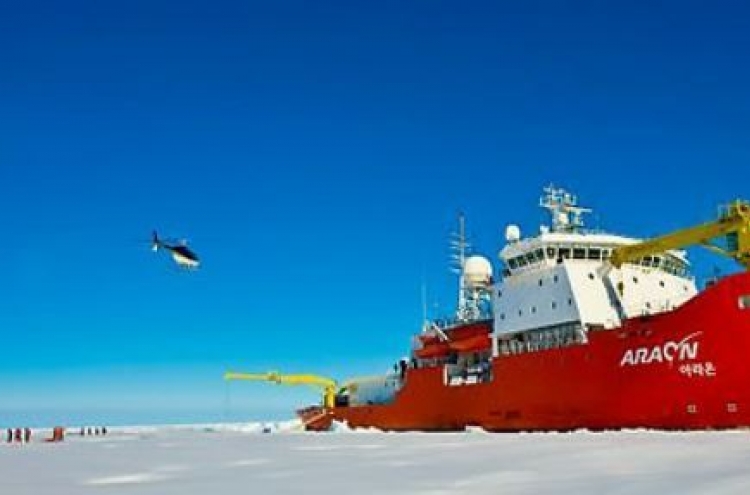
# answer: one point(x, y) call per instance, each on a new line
point(226, 459)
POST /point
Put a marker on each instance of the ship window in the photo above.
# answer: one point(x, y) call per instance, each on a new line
point(635, 280)
point(595, 253)
point(521, 261)
point(520, 312)
point(579, 253)
point(502, 316)
point(668, 265)
point(646, 261)
point(539, 254)
point(555, 278)
point(554, 305)
point(657, 262)
point(563, 253)
point(661, 283)
point(512, 263)
point(533, 309)
point(606, 253)
point(744, 302)
point(530, 257)
point(591, 276)
point(570, 301)
point(540, 282)
point(551, 253)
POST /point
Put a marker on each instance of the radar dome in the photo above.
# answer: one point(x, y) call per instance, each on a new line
point(512, 233)
point(477, 271)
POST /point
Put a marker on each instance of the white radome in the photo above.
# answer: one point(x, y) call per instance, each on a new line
point(512, 233)
point(477, 271)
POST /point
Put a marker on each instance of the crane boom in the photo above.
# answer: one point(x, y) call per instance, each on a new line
point(733, 225)
point(328, 385)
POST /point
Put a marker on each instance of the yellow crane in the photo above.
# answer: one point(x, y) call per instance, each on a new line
point(328, 385)
point(733, 225)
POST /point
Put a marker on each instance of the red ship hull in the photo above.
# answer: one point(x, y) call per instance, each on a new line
point(685, 369)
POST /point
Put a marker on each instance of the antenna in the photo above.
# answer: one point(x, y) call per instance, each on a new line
point(425, 322)
point(563, 206)
point(460, 247)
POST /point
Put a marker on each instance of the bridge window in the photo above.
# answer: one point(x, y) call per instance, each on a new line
point(595, 253)
point(563, 253)
point(521, 261)
point(579, 253)
point(512, 263)
point(551, 254)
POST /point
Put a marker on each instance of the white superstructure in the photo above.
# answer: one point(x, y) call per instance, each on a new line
point(561, 283)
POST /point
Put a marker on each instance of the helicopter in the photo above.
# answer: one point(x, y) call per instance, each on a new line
point(182, 255)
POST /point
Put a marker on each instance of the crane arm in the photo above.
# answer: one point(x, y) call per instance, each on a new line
point(328, 385)
point(733, 224)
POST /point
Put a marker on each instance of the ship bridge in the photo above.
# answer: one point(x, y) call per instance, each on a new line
point(560, 282)
point(551, 248)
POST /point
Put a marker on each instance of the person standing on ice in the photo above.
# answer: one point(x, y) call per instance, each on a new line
point(27, 435)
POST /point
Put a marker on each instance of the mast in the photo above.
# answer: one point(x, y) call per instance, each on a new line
point(563, 206)
point(465, 309)
point(460, 245)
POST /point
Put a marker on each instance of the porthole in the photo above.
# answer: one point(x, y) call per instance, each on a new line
point(499, 293)
point(520, 312)
point(661, 283)
point(554, 305)
point(591, 276)
point(570, 301)
point(635, 280)
point(533, 309)
point(555, 278)
point(502, 316)
point(540, 282)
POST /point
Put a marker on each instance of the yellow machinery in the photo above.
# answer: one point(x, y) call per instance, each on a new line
point(328, 385)
point(733, 225)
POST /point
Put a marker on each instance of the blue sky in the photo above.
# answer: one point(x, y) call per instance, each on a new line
point(315, 154)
